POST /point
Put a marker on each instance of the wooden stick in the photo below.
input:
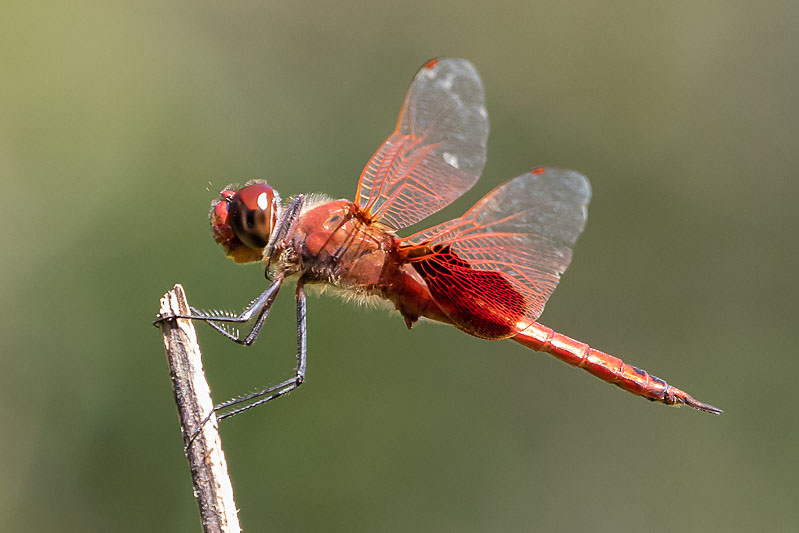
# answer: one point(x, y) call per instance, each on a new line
point(212, 488)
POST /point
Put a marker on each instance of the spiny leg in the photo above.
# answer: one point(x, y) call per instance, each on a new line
point(281, 389)
point(260, 320)
point(258, 308)
point(275, 391)
point(283, 228)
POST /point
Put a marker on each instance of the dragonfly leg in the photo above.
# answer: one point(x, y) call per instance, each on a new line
point(275, 391)
point(281, 389)
point(283, 228)
point(258, 309)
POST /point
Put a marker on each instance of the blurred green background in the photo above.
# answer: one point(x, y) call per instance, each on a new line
point(114, 118)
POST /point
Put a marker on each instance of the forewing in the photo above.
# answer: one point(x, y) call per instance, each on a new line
point(437, 150)
point(504, 257)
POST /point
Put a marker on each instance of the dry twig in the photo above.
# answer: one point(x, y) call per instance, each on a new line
point(212, 488)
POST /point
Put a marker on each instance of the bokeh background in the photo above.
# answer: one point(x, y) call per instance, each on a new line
point(114, 118)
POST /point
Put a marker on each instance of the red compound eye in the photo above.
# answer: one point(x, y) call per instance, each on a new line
point(253, 213)
point(242, 221)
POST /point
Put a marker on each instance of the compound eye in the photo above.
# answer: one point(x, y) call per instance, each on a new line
point(253, 213)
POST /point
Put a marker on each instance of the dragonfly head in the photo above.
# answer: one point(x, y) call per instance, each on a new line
point(242, 220)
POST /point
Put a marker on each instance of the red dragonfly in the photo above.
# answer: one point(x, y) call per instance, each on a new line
point(488, 273)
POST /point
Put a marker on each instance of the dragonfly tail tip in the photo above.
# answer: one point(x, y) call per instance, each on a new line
point(704, 407)
point(676, 396)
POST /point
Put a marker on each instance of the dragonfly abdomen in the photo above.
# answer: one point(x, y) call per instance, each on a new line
point(607, 367)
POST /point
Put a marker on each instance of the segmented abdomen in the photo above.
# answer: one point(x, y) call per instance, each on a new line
point(607, 367)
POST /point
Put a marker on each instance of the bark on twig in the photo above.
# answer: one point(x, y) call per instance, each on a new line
point(212, 488)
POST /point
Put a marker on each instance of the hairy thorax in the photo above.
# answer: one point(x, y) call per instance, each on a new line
point(333, 244)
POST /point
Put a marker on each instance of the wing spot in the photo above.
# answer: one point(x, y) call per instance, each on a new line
point(539, 170)
point(448, 81)
point(451, 159)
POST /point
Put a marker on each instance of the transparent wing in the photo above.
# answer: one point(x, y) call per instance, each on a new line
point(496, 266)
point(437, 150)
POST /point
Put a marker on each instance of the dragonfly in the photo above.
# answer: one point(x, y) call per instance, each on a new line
point(489, 272)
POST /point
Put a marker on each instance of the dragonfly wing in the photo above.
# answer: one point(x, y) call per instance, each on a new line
point(437, 150)
point(493, 270)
